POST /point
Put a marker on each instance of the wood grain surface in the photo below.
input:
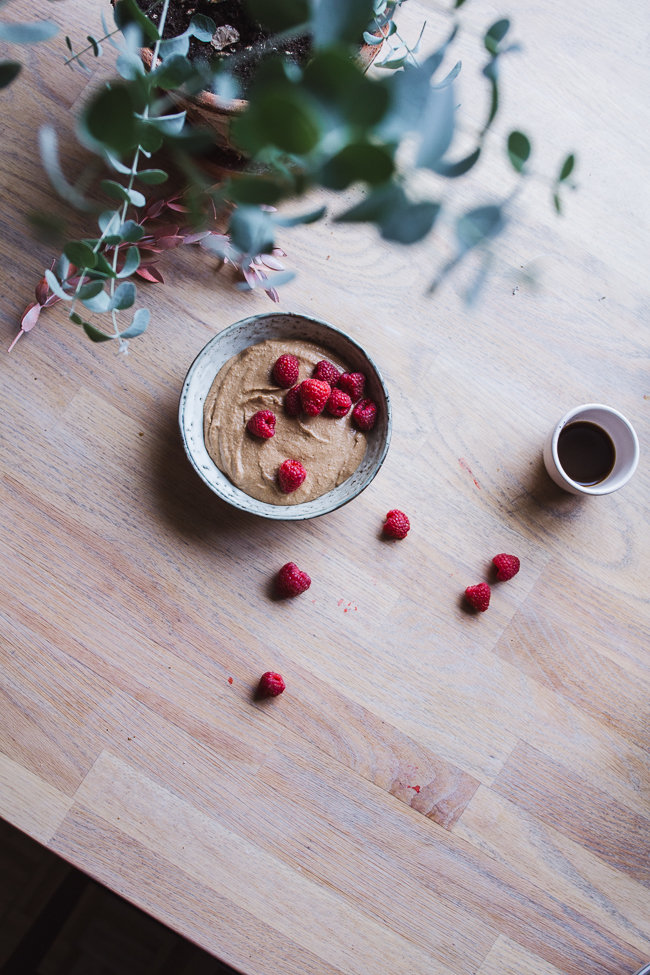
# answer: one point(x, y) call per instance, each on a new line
point(437, 791)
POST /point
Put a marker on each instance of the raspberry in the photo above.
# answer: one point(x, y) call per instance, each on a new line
point(326, 372)
point(339, 403)
point(271, 684)
point(291, 475)
point(365, 414)
point(507, 566)
point(292, 402)
point(397, 524)
point(478, 596)
point(262, 424)
point(352, 383)
point(291, 581)
point(314, 394)
point(286, 371)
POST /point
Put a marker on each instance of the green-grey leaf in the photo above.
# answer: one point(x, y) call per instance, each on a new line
point(357, 161)
point(49, 146)
point(95, 334)
point(8, 71)
point(90, 290)
point(175, 45)
point(556, 201)
point(202, 27)
point(138, 325)
point(34, 33)
point(136, 198)
point(496, 34)
point(478, 225)
point(310, 217)
point(518, 150)
point(127, 11)
point(110, 118)
point(97, 48)
point(453, 170)
point(340, 21)
point(77, 319)
point(103, 266)
point(375, 206)
point(169, 124)
point(123, 297)
point(251, 230)
point(567, 167)
point(371, 39)
point(437, 126)
point(114, 190)
point(62, 267)
point(55, 287)
point(131, 263)
point(455, 71)
point(98, 302)
point(173, 72)
point(129, 66)
point(393, 65)
point(411, 223)
point(116, 164)
point(153, 176)
point(80, 254)
point(131, 232)
point(109, 221)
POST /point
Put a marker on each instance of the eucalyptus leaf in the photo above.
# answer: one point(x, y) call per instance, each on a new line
point(567, 168)
point(138, 324)
point(102, 266)
point(256, 190)
point(281, 14)
point(117, 165)
point(202, 27)
point(131, 264)
point(131, 232)
point(41, 30)
point(437, 127)
point(458, 3)
point(80, 254)
point(175, 45)
point(8, 71)
point(49, 147)
point(409, 224)
point(129, 66)
point(304, 218)
point(495, 35)
point(557, 203)
point(478, 225)
point(136, 198)
point(90, 290)
point(286, 119)
point(340, 21)
point(518, 150)
point(99, 302)
point(96, 46)
point(112, 239)
point(123, 297)
point(453, 170)
point(372, 39)
point(77, 319)
point(127, 11)
point(114, 190)
point(251, 230)
point(62, 268)
point(96, 334)
point(110, 119)
point(152, 177)
point(455, 71)
point(169, 124)
point(357, 161)
point(55, 287)
point(375, 206)
point(109, 221)
point(173, 72)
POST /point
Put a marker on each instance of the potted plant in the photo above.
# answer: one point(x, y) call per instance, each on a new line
point(325, 124)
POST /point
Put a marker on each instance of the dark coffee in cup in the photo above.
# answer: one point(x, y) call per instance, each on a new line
point(586, 452)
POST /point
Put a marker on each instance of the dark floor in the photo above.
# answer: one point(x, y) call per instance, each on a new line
point(53, 921)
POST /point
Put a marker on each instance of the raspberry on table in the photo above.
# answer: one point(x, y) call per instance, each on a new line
point(326, 372)
point(339, 403)
point(479, 596)
point(397, 524)
point(291, 475)
point(262, 424)
point(507, 566)
point(314, 394)
point(352, 383)
point(292, 402)
point(291, 581)
point(286, 371)
point(365, 414)
point(271, 684)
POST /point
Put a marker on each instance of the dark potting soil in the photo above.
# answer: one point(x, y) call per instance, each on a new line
point(225, 13)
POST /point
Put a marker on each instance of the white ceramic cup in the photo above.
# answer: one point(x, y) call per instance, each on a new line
point(624, 438)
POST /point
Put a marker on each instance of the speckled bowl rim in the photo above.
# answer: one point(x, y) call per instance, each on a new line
point(283, 512)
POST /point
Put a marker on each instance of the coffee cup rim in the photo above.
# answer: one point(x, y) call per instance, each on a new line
point(603, 487)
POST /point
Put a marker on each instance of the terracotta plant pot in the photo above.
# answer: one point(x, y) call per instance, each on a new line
point(218, 114)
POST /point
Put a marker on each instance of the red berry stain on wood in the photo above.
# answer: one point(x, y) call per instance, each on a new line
point(230, 680)
point(465, 467)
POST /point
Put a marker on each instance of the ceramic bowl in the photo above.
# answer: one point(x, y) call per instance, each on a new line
point(251, 331)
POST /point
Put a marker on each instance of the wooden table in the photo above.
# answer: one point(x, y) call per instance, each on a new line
point(436, 792)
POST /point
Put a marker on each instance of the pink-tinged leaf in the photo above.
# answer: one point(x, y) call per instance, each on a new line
point(177, 206)
point(273, 295)
point(250, 276)
point(167, 230)
point(194, 238)
point(168, 243)
point(150, 274)
point(155, 209)
point(278, 252)
point(272, 262)
point(150, 250)
point(15, 340)
point(41, 291)
point(52, 300)
point(30, 316)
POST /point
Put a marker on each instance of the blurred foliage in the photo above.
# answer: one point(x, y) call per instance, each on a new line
point(328, 124)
